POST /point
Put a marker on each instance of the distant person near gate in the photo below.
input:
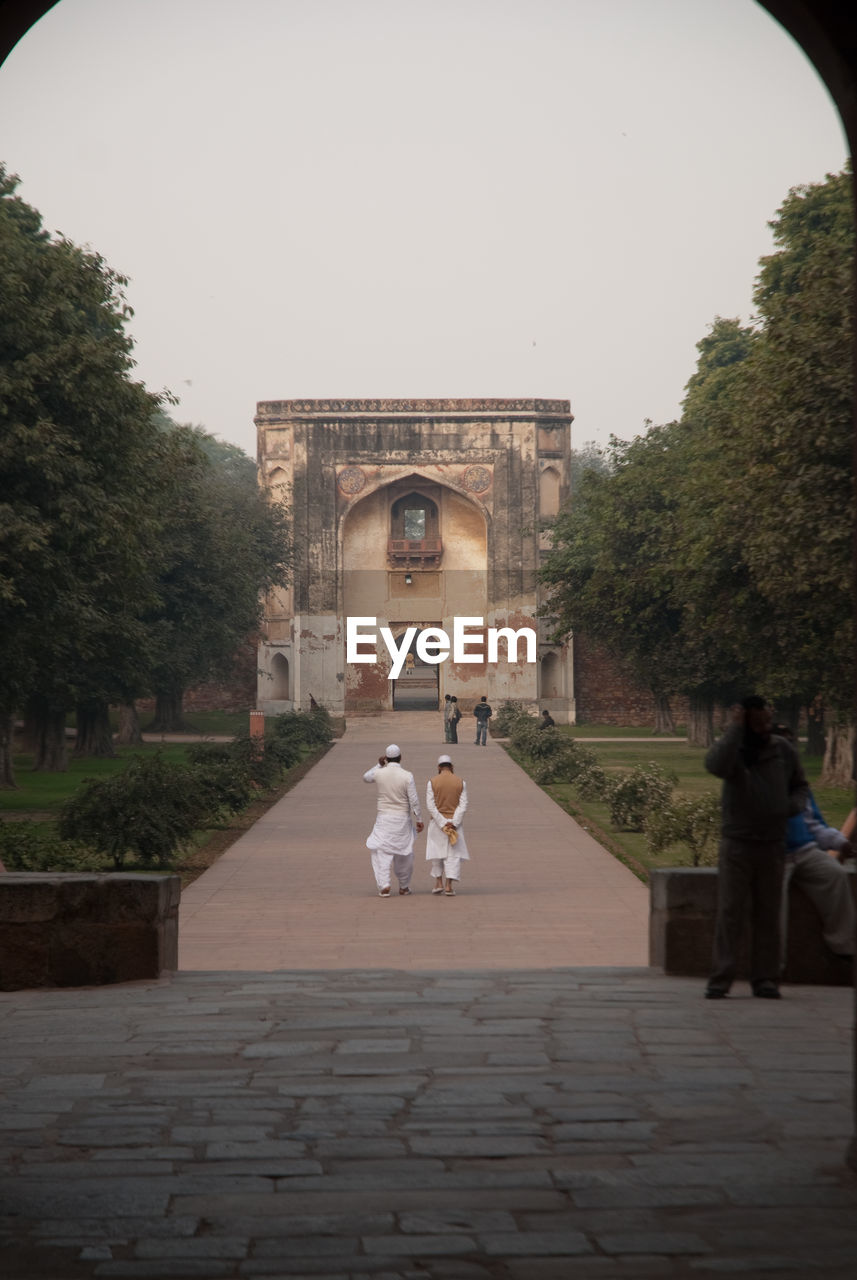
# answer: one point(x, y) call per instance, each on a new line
point(483, 714)
point(454, 717)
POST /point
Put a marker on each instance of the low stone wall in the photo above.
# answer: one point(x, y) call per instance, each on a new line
point(683, 905)
point(75, 930)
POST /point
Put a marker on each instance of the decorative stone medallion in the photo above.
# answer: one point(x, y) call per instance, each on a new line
point(477, 479)
point(351, 480)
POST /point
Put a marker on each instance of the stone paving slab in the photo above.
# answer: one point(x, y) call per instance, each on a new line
point(167, 1163)
point(296, 891)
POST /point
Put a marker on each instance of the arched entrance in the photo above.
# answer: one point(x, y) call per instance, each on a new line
point(414, 555)
point(417, 688)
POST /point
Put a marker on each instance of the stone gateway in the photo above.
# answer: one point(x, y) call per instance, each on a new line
point(414, 513)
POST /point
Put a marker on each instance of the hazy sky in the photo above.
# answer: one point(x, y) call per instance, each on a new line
point(372, 198)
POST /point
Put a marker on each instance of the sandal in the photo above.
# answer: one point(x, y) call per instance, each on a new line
point(439, 889)
point(449, 893)
point(384, 893)
point(404, 893)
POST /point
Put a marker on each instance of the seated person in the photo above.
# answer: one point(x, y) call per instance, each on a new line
point(823, 879)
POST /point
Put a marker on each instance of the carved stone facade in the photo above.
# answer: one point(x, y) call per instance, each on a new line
point(412, 512)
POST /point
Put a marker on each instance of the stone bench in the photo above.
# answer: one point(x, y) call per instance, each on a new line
point(77, 930)
point(683, 905)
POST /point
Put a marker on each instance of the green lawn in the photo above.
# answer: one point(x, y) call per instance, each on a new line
point(40, 796)
point(687, 763)
point(614, 731)
point(213, 723)
point(47, 792)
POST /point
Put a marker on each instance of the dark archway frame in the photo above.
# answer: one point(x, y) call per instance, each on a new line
point(826, 30)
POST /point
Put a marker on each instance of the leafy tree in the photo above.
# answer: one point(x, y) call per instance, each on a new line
point(715, 555)
point(774, 499)
point(589, 457)
point(74, 445)
point(796, 450)
point(616, 574)
point(223, 546)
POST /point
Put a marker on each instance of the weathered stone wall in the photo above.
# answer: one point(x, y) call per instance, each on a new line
point(235, 692)
point(604, 694)
point(681, 929)
point(493, 468)
point(75, 930)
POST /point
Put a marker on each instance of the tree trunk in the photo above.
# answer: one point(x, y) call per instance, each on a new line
point(129, 734)
point(50, 753)
point(815, 743)
point(664, 722)
point(838, 767)
point(787, 712)
point(7, 772)
point(700, 720)
point(94, 735)
point(169, 714)
point(29, 732)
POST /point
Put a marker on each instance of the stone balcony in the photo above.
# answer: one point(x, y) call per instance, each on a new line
point(416, 553)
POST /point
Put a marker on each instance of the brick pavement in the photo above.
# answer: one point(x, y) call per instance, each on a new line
point(462, 1125)
point(296, 891)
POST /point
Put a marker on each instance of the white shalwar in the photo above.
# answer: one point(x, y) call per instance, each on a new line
point(391, 840)
point(446, 858)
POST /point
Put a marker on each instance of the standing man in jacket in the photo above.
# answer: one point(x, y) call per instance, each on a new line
point(399, 818)
point(763, 786)
point(483, 714)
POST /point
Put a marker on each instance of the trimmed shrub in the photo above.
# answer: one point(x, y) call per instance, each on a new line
point(592, 783)
point(251, 766)
point(632, 795)
point(551, 756)
point(153, 808)
point(306, 728)
point(692, 821)
point(509, 713)
point(150, 809)
point(27, 846)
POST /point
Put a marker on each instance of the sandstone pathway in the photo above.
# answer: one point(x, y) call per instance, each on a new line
point(296, 891)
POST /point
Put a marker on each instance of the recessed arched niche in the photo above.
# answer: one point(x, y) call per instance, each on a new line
point(280, 674)
point(551, 676)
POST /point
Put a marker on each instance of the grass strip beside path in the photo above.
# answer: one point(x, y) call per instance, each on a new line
point(39, 797)
point(687, 762)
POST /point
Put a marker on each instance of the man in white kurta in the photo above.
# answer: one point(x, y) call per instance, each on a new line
point(446, 801)
point(399, 818)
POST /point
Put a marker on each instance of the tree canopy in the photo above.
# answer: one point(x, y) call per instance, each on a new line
point(112, 519)
point(715, 554)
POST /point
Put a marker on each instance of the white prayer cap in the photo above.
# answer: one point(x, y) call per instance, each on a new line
point(392, 751)
point(444, 759)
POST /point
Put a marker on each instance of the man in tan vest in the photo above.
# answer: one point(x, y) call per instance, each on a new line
point(446, 848)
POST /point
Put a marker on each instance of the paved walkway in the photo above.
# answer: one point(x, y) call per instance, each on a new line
point(296, 892)
point(524, 1125)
